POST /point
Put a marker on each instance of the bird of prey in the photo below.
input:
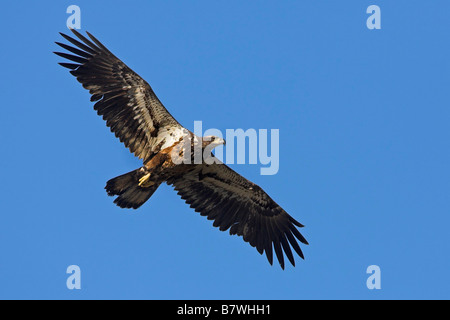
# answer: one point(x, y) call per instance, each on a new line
point(136, 116)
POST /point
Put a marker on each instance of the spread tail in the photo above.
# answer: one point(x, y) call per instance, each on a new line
point(130, 190)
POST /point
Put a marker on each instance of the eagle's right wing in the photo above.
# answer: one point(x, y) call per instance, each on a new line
point(237, 204)
point(126, 101)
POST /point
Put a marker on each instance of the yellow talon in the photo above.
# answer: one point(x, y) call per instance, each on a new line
point(144, 182)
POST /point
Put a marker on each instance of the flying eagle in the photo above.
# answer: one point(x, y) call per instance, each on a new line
point(136, 116)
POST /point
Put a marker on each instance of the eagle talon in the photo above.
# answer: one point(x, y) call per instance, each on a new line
point(144, 181)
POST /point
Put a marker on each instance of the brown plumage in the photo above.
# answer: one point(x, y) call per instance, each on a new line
point(137, 117)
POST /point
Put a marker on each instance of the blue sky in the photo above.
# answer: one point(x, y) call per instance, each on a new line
point(364, 149)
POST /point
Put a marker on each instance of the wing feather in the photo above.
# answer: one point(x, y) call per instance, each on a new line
point(240, 206)
point(125, 101)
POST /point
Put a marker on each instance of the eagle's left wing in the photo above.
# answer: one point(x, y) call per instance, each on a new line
point(235, 203)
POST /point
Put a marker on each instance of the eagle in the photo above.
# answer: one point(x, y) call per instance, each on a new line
point(137, 117)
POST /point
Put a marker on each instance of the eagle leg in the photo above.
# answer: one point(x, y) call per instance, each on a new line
point(145, 182)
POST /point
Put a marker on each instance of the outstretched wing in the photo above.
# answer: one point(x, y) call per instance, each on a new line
point(235, 203)
point(125, 100)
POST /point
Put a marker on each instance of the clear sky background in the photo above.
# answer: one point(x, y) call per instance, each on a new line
point(364, 152)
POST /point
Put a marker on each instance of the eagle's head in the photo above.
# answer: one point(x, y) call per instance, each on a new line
point(212, 141)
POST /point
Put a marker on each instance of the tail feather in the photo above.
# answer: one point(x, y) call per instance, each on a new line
point(126, 187)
